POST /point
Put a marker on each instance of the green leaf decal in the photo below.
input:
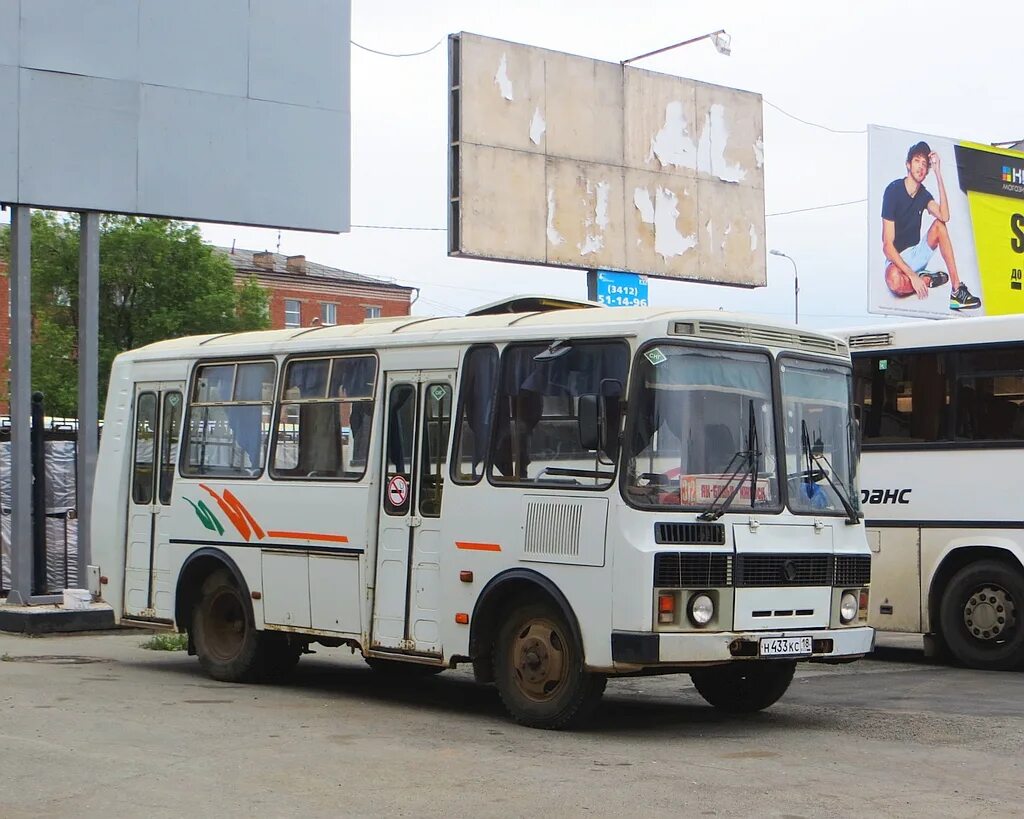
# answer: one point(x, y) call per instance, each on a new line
point(206, 517)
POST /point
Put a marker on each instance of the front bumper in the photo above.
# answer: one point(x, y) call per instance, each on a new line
point(644, 648)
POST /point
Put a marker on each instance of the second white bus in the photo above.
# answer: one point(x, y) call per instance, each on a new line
point(941, 408)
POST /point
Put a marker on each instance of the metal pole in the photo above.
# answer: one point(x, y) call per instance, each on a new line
point(40, 573)
point(592, 285)
point(676, 45)
point(88, 377)
point(21, 406)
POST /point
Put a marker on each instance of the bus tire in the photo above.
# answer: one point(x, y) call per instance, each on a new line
point(397, 669)
point(982, 616)
point(227, 643)
point(744, 687)
point(539, 672)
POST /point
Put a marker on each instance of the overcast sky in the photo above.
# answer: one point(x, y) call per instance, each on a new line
point(939, 68)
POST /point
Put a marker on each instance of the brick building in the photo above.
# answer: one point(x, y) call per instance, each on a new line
point(303, 293)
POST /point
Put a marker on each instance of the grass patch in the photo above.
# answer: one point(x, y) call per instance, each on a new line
point(166, 642)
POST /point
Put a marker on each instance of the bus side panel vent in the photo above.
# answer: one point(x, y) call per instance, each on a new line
point(690, 534)
point(559, 530)
point(692, 570)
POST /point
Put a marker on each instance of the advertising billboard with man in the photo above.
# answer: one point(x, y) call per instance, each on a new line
point(945, 226)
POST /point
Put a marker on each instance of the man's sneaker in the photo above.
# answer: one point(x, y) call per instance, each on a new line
point(935, 279)
point(961, 299)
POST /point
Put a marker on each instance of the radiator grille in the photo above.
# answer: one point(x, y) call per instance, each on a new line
point(682, 570)
point(553, 529)
point(853, 570)
point(783, 570)
point(690, 534)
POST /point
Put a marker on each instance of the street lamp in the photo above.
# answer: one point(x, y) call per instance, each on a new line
point(796, 285)
point(719, 39)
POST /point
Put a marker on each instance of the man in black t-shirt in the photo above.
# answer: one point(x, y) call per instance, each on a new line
point(908, 253)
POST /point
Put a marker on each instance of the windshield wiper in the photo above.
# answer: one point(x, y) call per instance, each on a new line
point(814, 460)
point(748, 460)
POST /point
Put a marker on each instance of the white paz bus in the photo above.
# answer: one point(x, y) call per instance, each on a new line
point(553, 495)
point(941, 407)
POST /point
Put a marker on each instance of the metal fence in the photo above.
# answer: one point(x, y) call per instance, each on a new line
point(61, 513)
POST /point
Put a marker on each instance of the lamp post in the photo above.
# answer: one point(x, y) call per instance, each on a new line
point(796, 285)
point(719, 39)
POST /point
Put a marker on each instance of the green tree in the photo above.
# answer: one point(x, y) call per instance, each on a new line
point(158, 280)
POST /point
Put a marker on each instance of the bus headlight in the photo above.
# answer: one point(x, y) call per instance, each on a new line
point(848, 605)
point(702, 609)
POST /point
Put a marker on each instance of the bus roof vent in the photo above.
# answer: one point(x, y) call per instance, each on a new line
point(722, 330)
point(769, 336)
point(870, 340)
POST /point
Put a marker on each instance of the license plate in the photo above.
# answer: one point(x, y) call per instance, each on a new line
point(785, 646)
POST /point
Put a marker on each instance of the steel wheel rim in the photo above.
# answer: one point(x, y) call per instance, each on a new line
point(539, 662)
point(989, 614)
point(225, 627)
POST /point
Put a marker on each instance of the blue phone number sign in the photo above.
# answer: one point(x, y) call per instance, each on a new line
point(621, 289)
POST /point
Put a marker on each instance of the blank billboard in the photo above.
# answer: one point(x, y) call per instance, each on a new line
point(567, 161)
point(215, 110)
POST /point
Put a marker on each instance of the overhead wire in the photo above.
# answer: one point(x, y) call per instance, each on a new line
point(392, 54)
point(784, 112)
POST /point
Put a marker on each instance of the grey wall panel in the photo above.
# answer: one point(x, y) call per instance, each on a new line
point(299, 52)
point(285, 187)
point(99, 38)
point(195, 44)
point(78, 141)
point(9, 24)
point(146, 106)
point(191, 153)
point(8, 133)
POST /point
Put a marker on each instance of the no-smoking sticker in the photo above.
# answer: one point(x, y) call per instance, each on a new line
point(398, 490)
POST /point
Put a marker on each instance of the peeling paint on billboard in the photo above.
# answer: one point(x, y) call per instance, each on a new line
point(572, 162)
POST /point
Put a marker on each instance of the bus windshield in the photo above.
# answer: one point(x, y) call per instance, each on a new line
point(819, 437)
point(703, 430)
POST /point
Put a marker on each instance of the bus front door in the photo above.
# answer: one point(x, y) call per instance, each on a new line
point(157, 425)
point(415, 464)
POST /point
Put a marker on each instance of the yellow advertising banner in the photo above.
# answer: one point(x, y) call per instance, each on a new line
point(999, 242)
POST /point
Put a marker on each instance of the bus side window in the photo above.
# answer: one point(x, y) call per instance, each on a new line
point(437, 421)
point(145, 448)
point(170, 429)
point(476, 411)
point(324, 419)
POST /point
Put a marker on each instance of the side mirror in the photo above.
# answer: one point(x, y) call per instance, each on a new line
point(589, 422)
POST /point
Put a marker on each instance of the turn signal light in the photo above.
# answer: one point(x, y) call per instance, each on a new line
point(666, 608)
point(466, 576)
point(462, 618)
point(862, 608)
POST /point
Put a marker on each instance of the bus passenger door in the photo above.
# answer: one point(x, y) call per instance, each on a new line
point(417, 427)
point(157, 425)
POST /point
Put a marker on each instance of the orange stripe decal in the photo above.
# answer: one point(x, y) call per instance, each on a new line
point(235, 516)
point(231, 498)
point(478, 547)
point(310, 536)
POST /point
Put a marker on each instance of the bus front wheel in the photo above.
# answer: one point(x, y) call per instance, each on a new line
point(743, 687)
point(539, 672)
point(982, 616)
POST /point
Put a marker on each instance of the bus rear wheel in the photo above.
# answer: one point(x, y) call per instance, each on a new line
point(744, 687)
point(539, 672)
point(227, 643)
point(982, 616)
